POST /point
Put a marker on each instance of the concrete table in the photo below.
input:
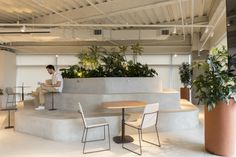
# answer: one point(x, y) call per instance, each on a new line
point(123, 105)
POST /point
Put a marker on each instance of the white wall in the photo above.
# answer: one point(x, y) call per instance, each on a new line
point(31, 68)
point(7, 73)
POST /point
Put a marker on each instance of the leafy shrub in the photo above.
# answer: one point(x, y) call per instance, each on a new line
point(99, 62)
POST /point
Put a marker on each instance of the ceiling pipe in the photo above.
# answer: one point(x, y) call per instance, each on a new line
point(103, 25)
point(192, 20)
point(182, 17)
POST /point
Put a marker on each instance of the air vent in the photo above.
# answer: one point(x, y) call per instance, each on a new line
point(97, 32)
point(165, 32)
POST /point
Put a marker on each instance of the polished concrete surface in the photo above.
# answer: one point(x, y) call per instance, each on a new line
point(188, 143)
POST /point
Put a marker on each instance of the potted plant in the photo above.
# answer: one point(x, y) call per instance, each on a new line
point(185, 72)
point(216, 88)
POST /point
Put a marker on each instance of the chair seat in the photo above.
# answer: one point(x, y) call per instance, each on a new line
point(136, 124)
point(14, 94)
point(96, 122)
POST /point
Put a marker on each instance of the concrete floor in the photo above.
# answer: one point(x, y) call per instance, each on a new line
point(188, 143)
point(185, 143)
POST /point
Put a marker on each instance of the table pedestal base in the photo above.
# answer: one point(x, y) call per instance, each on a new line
point(52, 109)
point(127, 139)
point(9, 127)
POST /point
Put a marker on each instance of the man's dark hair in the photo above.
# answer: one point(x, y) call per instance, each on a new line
point(50, 67)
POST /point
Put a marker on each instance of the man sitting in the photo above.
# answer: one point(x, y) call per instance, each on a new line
point(53, 85)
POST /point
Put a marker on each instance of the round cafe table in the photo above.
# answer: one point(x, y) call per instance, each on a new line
point(123, 105)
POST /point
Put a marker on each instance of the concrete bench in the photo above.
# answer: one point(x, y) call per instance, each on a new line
point(61, 125)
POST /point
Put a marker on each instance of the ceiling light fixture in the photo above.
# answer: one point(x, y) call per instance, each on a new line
point(212, 34)
point(199, 53)
point(174, 31)
point(23, 28)
point(206, 30)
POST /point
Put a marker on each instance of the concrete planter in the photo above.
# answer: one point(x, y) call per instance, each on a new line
point(113, 85)
point(220, 129)
point(94, 91)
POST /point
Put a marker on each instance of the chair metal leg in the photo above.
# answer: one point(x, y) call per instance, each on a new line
point(104, 135)
point(14, 100)
point(7, 100)
point(85, 133)
point(82, 140)
point(52, 106)
point(108, 128)
point(85, 140)
point(140, 145)
point(157, 138)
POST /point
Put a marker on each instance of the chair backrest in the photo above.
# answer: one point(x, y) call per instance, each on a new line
point(82, 114)
point(9, 91)
point(150, 115)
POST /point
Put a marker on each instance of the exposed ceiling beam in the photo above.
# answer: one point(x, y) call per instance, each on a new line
point(182, 16)
point(220, 6)
point(100, 11)
point(48, 8)
point(104, 25)
point(160, 49)
point(134, 9)
point(192, 18)
point(112, 8)
point(212, 30)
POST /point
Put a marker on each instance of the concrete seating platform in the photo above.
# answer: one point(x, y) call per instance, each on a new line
point(67, 125)
point(59, 125)
point(175, 119)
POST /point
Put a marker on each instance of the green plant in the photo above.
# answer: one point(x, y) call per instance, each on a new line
point(185, 72)
point(91, 59)
point(140, 70)
point(137, 50)
point(215, 83)
point(114, 63)
point(74, 71)
point(106, 63)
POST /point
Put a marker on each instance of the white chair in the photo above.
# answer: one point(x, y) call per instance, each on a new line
point(10, 92)
point(90, 124)
point(149, 119)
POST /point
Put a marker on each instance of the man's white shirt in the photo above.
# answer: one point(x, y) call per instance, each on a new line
point(57, 77)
